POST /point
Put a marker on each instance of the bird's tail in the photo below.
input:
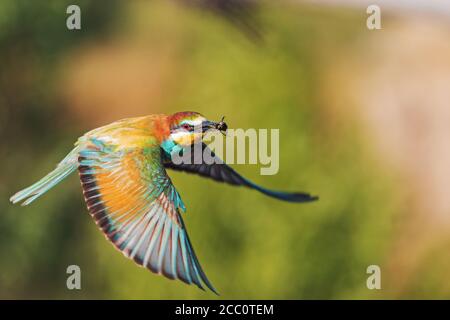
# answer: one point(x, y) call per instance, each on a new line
point(281, 195)
point(62, 170)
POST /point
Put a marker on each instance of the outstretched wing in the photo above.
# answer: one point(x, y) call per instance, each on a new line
point(219, 171)
point(133, 201)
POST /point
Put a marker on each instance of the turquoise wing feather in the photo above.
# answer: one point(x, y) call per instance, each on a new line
point(68, 165)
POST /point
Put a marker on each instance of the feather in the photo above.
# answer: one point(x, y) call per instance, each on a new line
point(68, 165)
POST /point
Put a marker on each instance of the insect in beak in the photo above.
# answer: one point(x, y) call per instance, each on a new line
point(222, 126)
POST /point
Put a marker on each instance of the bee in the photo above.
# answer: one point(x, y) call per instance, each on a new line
point(222, 126)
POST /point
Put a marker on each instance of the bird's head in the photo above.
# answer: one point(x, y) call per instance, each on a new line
point(187, 128)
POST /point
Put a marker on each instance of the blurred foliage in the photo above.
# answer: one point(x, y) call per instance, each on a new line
point(250, 246)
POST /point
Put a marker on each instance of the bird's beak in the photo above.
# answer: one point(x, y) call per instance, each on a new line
point(207, 125)
point(221, 126)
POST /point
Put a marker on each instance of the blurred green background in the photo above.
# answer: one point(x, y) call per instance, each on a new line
point(311, 71)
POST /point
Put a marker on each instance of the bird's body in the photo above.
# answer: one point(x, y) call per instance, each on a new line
point(122, 168)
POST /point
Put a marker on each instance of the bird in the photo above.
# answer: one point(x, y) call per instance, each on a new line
point(123, 167)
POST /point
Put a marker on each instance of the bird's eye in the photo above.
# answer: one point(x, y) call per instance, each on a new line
point(186, 126)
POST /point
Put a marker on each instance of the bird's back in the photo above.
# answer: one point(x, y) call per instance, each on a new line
point(127, 133)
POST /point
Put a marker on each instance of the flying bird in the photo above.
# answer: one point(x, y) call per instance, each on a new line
point(122, 168)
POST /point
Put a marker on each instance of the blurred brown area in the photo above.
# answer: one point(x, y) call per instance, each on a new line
point(103, 79)
point(398, 85)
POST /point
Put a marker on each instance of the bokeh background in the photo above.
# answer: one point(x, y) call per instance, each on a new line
point(364, 122)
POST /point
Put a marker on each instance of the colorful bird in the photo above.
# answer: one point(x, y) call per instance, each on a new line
point(122, 168)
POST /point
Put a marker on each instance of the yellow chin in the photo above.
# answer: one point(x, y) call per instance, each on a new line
point(188, 139)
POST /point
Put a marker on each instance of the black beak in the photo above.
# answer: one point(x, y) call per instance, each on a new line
point(207, 125)
point(221, 126)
